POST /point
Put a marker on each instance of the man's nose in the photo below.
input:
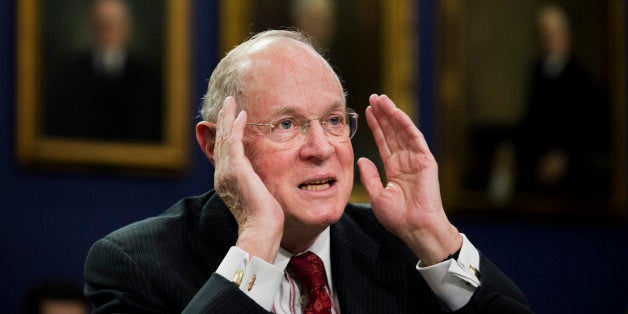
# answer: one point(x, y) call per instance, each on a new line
point(317, 143)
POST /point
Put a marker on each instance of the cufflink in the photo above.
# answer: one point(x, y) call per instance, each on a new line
point(475, 271)
point(252, 282)
point(237, 278)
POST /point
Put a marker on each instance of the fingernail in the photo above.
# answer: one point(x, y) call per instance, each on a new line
point(239, 116)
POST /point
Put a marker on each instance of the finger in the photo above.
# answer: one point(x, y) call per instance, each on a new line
point(226, 115)
point(378, 135)
point(234, 131)
point(370, 178)
point(237, 134)
point(399, 129)
point(384, 112)
point(224, 124)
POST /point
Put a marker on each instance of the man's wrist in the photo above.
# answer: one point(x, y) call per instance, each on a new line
point(453, 256)
point(255, 277)
point(260, 245)
point(436, 246)
point(454, 280)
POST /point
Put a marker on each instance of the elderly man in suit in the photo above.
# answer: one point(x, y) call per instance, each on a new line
point(108, 92)
point(278, 233)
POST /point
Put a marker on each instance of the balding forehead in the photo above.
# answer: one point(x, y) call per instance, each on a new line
point(268, 51)
point(274, 44)
point(285, 58)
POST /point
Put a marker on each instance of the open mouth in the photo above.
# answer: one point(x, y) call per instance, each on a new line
point(317, 185)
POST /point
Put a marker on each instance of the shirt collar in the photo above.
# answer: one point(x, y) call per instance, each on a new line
point(320, 247)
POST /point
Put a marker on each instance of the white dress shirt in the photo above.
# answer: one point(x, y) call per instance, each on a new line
point(452, 281)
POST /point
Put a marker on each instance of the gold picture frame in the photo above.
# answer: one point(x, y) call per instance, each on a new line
point(469, 45)
point(35, 148)
point(392, 23)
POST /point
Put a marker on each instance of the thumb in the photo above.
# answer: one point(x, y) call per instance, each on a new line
point(370, 177)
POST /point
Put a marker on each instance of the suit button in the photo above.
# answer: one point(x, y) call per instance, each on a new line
point(303, 299)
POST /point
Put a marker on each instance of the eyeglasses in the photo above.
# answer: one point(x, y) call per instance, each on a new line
point(340, 126)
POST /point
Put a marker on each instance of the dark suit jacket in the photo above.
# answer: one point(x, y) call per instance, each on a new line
point(82, 102)
point(564, 112)
point(167, 264)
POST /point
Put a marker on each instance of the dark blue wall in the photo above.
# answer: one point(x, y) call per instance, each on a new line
point(49, 220)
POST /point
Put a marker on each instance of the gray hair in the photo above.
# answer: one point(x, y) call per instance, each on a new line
point(226, 79)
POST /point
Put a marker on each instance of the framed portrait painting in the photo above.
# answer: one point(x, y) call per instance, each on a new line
point(532, 105)
point(369, 43)
point(103, 84)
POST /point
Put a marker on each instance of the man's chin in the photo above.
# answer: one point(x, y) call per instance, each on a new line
point(328, 217)
point(318, 216)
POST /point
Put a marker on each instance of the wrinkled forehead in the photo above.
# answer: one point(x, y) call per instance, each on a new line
point(288, 57)
point(286, 72)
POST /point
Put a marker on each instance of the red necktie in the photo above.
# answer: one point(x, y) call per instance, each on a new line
point(308, 270)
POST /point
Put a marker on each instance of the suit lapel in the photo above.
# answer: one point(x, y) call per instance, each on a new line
point(363, 281)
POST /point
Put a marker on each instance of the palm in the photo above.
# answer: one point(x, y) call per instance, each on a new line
point(411, 200)
point(409, 194)
point(236, 182)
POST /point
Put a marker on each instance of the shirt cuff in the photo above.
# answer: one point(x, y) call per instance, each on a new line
point(454, 281)
point(257, 278)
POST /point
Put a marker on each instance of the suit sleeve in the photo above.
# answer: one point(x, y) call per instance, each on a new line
point(116, 283)
point(497, 294)
point(219, 295)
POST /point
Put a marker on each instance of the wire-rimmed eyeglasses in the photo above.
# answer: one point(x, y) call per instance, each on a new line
point(340, 126)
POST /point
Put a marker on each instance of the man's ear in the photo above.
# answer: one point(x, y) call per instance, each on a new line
point(206, 138)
